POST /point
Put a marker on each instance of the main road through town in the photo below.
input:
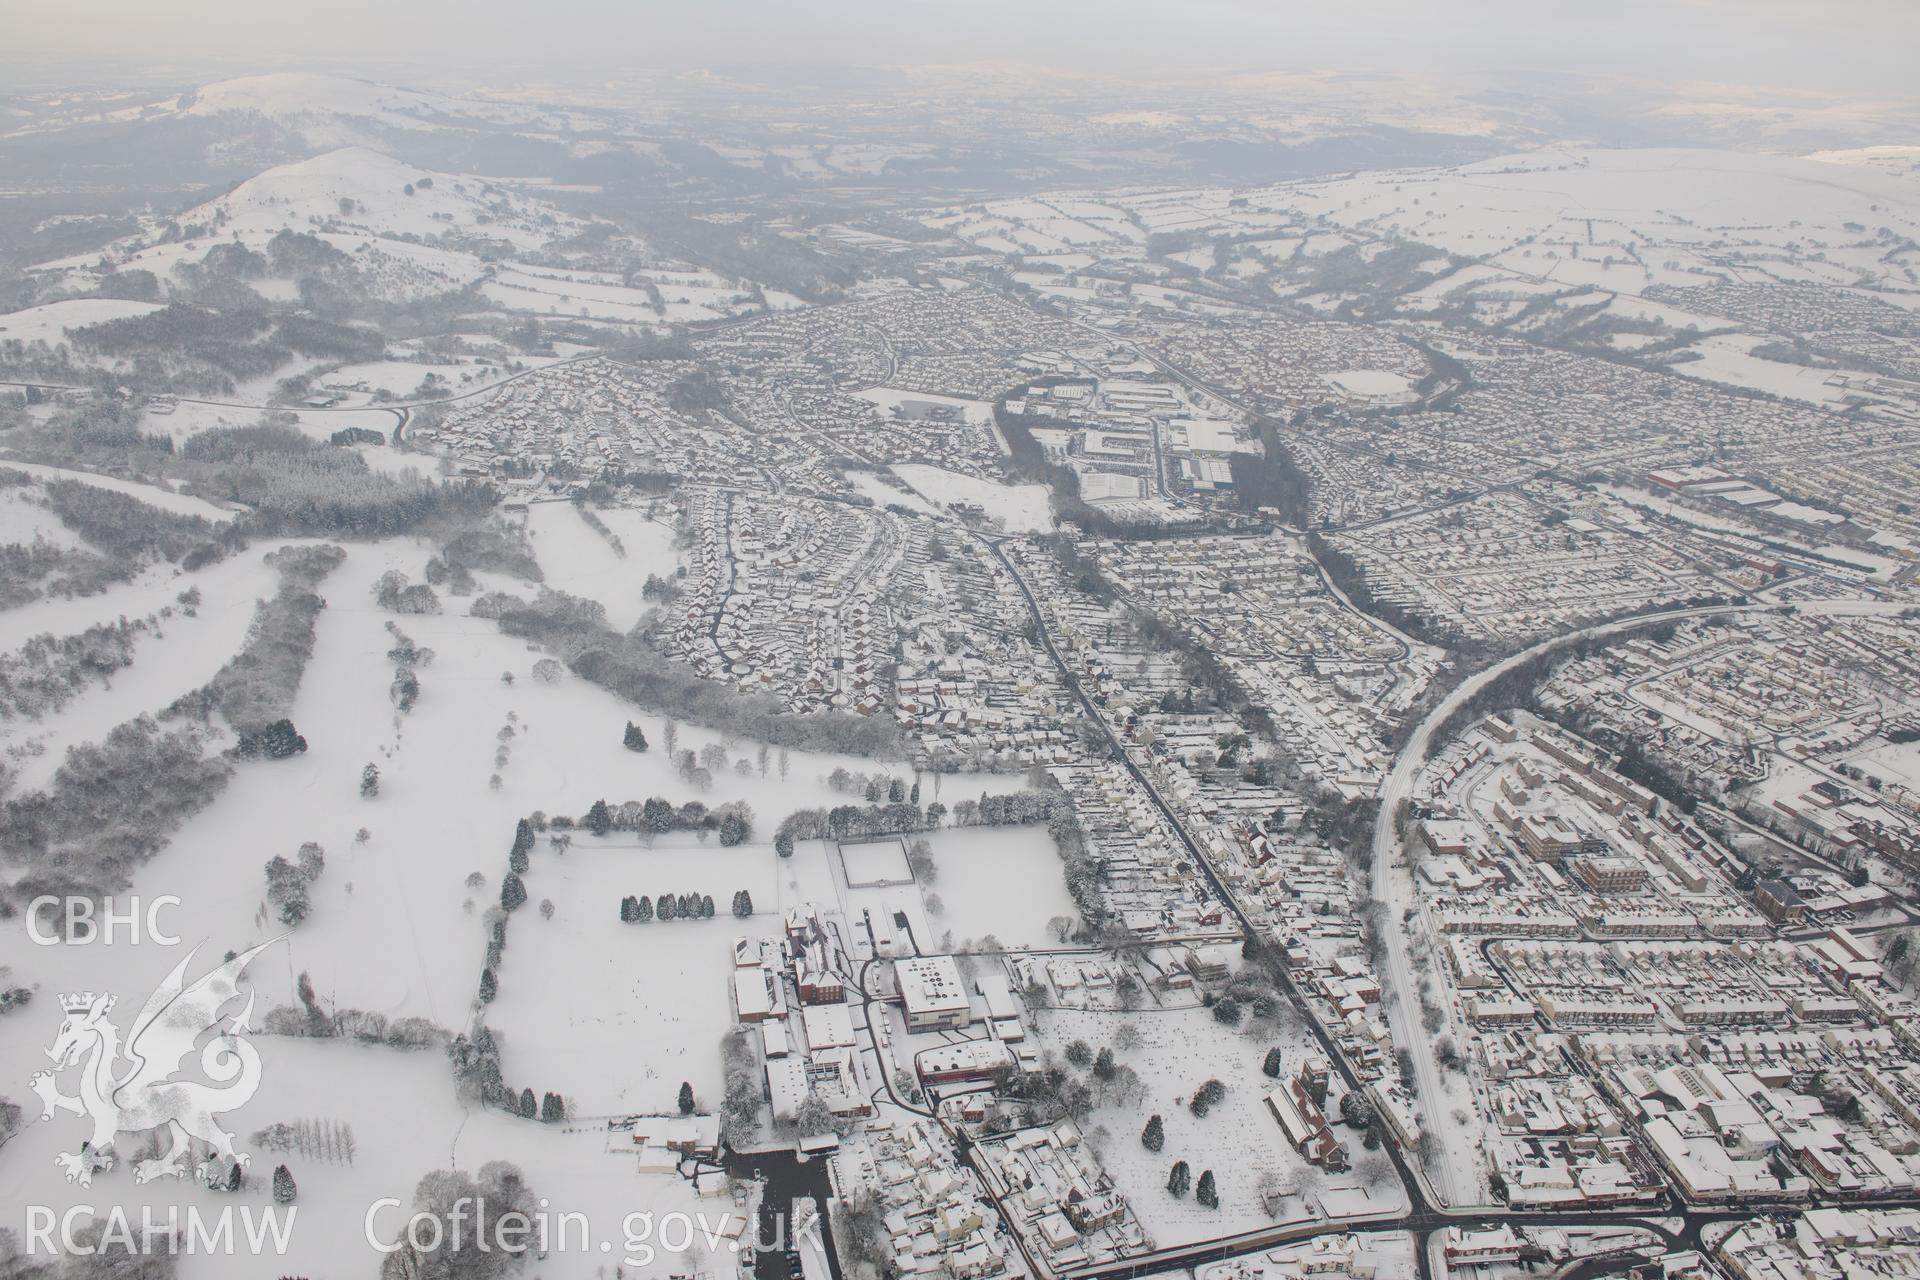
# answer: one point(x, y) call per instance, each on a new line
point(1416, 1197)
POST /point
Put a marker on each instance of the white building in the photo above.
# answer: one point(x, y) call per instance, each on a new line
point(934, 996)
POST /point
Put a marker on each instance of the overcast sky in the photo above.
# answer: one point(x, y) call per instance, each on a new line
point(1851, 47)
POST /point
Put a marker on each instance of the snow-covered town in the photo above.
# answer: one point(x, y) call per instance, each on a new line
point(959, 646)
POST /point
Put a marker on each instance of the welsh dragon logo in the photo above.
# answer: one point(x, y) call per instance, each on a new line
point(143, 1095)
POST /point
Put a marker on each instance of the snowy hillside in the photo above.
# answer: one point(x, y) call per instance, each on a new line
point(387, 231)
point(357, 189)
point(1649, 253)
point(365, 228)
point(1614, 200)
point(296, 93)
point(50, 323)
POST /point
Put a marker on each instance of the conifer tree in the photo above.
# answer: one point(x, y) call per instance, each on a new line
point(277, 741)
point(284, 1190)
point(1154, 1136)
point(1179, 1179)
point(686, 1098)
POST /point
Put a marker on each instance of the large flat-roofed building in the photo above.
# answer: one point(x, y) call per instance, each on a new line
point(828, 1026)
point(933, 994)
point(1548, 837)
point(1610, 874)
point(967, 1062)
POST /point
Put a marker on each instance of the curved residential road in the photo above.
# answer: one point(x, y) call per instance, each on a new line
point(1399, 978)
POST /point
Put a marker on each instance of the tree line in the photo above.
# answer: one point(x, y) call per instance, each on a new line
point(629, 666)
point(679, 906)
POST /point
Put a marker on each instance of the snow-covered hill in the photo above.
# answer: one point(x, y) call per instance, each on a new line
point(209, 135)
point(294, 94)
point(356, 226)
point(358, 189)
point(407, 232)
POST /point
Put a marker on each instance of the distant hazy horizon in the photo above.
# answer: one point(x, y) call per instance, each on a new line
point(1849, 48)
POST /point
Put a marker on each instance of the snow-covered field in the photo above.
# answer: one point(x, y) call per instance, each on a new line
point(1376, 383)
point(873, 862)
point(915, 402)
point(402, 377)
point(1003, 881)
point(25, 519)
point(881, 492)
point(1024, 507)
point(1899, 761)
point(190, 417)
point(576, 559)
point(405, 1122)
point(1606, 201)
point(50, 321)
point(1727, 358)
point(614, 1016)
point(682, 296)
